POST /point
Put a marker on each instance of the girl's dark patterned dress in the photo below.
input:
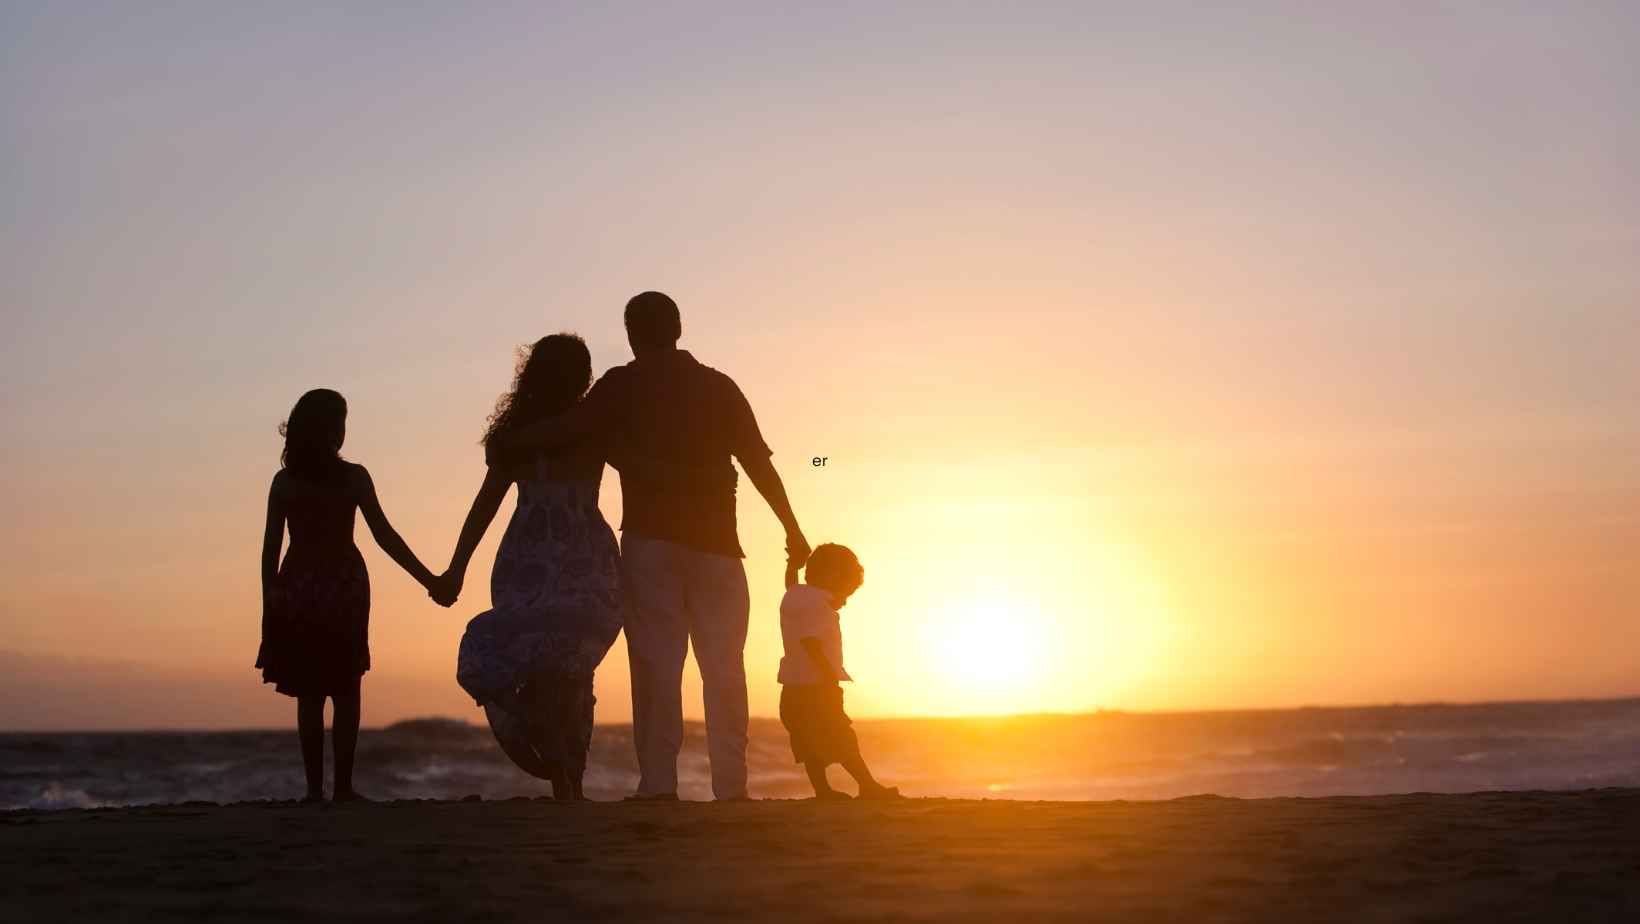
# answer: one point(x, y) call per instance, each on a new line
point(316, 627)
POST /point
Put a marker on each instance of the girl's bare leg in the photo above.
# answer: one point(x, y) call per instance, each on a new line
point(310, 728)
point(345, 735)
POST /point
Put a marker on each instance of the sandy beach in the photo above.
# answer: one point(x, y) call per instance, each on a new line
point(1482, 857)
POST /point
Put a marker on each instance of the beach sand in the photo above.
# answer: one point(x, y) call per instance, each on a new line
point(1482, 857)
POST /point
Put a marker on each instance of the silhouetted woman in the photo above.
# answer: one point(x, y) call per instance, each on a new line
point(555, 590)
point(316, 606)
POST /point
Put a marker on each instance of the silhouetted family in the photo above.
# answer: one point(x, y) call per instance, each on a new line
point(562, 589)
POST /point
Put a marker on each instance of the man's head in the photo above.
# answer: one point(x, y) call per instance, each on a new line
point(652, 323)
point(835, 568)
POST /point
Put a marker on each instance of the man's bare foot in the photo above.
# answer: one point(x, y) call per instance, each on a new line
point(348, 795)
point(832, 795)
point(880, 793)
point(313, 797)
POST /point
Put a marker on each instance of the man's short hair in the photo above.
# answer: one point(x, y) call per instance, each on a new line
point(834, 566)
point(652, 319)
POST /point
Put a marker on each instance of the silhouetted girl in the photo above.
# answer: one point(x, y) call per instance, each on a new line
point(316, 606)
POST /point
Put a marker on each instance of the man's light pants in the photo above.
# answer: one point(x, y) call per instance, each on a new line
point(677, 595)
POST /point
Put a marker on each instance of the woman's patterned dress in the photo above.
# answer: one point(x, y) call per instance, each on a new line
point(556, 600)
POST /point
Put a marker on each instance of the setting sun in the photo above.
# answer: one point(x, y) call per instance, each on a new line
point(994, 646)
point(991, 655)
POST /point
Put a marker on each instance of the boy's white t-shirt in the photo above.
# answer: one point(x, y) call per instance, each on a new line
point(807, 612)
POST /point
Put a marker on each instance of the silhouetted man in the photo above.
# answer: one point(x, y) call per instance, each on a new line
point(675, 423)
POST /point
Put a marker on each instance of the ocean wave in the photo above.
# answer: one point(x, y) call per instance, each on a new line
point(1099, 756)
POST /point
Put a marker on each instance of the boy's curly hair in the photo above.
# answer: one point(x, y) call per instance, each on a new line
point(834, 566)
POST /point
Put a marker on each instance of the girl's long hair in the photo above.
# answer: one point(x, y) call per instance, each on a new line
point(313, 435)
point(552, 375)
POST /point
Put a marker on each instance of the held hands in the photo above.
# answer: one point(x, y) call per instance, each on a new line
point(797, 550)
point(445, 588)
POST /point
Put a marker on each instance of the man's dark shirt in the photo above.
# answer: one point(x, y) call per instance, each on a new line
point(672, 425)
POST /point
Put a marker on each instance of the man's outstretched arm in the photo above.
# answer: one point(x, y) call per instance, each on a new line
point(753, 454)
point(760, 471)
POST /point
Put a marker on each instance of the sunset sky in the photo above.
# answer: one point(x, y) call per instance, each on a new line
point(1164, 356)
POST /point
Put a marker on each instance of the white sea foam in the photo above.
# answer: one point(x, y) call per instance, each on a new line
point(54, 796)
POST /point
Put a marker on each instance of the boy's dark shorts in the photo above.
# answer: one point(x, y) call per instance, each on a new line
point(820, 730)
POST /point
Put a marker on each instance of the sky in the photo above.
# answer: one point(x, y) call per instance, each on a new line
point(1163, 356)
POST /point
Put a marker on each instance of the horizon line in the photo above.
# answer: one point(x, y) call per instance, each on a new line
point(877, 720)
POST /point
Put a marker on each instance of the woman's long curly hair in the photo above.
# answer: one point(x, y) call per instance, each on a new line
point(313, 434)
point(553, 374)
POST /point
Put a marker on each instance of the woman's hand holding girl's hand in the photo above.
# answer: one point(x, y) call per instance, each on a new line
point(445, 589)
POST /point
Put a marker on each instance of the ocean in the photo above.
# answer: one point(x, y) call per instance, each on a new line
point(1107, 755)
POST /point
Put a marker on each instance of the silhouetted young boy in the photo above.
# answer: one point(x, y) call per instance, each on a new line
point(811, 699)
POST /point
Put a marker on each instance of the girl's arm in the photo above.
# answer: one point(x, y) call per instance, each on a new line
point(273, 537)
point(485, 503)
point(387, 537)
